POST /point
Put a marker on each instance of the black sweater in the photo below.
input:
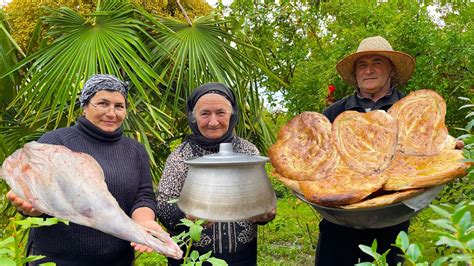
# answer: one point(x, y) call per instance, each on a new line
point(127, 174)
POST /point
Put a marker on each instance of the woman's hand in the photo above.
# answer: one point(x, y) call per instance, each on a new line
point(146, 217)
point(22, 205)
point(265, 217)
point(154, 227)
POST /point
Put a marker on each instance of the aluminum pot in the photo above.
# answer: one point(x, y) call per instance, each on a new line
point(376, 217)
point(227, 186)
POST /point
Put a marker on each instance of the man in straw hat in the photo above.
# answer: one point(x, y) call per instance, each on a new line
point(375, 70)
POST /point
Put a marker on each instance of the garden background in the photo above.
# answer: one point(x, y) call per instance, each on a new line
point(279, 57)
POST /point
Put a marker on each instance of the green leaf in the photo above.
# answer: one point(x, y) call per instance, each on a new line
point(48, 264)
point(445, 224)
point(194, 255)
point(217, 262)
point(440, 261)
point(451, 242)
point(470, 243)
point(402, 241)
point(9, 252)
point(7, 262)
point(441, 211)
point(414, 252)
point(195, 232)
point(367, 250)
point(187, 222)
point(465, 222)
point(5, 242)
point(466, 258)
point(204, 257)
point(33, 258)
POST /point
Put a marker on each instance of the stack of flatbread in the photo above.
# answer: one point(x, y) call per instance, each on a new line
point(372, 159)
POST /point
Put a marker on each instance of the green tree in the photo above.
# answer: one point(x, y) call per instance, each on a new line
point(164, 59)
point(304, 40)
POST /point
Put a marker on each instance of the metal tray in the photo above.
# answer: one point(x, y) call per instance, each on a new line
point(377, 217)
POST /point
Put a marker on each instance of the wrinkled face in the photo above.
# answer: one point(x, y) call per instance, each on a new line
point(106, 110)
point(212, 113)
point(373, 73)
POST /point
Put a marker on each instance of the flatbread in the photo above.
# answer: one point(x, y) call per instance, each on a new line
point(366, 142)
point(408, 171)
point(304, 150)
point(343, 186)
point(289, 183)
point(384, 200)
point(421, 128)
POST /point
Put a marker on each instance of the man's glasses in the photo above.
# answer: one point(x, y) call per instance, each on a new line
point(104, 107)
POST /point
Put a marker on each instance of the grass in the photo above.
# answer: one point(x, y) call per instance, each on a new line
point(291, 238)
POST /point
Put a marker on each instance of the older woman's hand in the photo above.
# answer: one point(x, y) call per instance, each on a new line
point(265, 217)
point(22, 205)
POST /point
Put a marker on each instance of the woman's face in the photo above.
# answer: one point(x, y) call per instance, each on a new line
point(106, 110)
point(212, 113)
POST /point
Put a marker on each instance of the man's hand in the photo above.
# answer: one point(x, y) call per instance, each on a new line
point(459, 144)
point(22, 205)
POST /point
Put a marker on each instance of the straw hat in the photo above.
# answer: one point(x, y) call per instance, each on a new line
point(404, 63)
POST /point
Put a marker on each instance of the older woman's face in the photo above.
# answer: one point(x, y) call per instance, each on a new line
point(106, 110)
point(212, 113)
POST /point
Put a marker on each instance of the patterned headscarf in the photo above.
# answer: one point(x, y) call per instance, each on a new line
point(102, 82)
point(204, 89)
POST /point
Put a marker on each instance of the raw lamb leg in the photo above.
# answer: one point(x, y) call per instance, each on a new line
point(70, 185)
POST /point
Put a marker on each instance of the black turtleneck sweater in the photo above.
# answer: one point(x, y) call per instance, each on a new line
point(127, 175)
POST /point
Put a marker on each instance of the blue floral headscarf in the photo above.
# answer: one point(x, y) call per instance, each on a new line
point(102, 82)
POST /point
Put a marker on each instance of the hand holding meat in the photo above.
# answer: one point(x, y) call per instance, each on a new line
point(70, 185)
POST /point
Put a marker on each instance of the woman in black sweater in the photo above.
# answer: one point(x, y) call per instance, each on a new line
point(127, 175)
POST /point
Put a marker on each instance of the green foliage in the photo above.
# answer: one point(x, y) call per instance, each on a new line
point(303, 41)
point(187, 238)
point(380, 259)
point(12, 250)
point(290, 239)
point(455, 230)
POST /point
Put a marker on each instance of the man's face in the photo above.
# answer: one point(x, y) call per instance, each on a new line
point(373, 73)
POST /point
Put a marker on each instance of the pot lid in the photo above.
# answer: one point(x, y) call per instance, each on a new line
point(226, 155)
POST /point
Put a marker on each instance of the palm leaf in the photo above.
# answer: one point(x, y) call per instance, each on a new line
point(104, 42)
point(8, 58)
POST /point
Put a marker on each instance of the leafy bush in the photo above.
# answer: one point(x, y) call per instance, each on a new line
point(455, 231)
point(12, 247)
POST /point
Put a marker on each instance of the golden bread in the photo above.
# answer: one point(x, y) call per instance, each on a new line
point(289, 183)
point(366, 142)
point(384, 200)
point(408, 171)
point(343, 186)
point(421, 128)
point(304, 150)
